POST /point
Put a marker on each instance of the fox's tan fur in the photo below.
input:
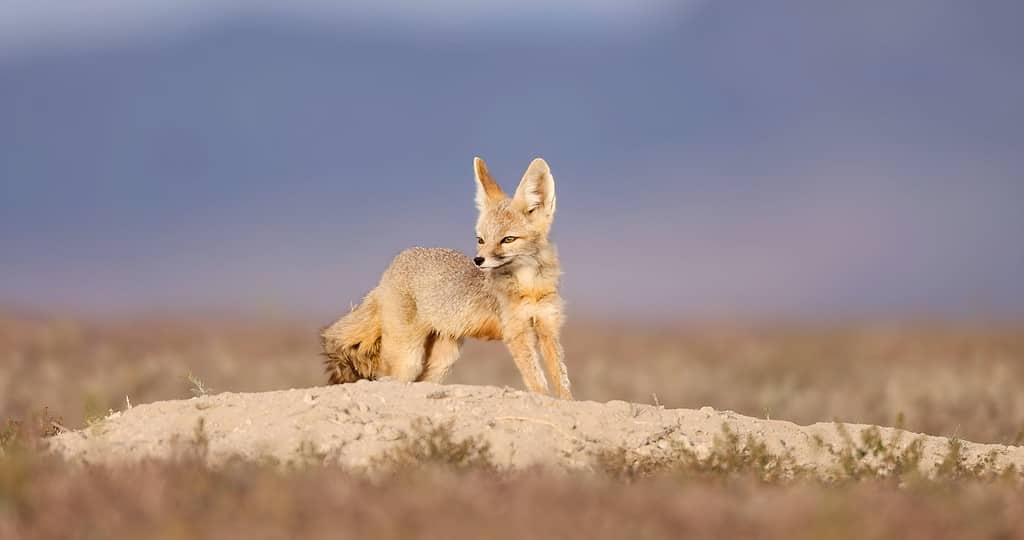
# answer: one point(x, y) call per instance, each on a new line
point(412, 325)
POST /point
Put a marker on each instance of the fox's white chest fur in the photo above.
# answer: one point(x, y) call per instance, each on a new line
point(526, 277)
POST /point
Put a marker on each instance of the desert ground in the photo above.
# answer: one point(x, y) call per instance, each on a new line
point(209, 426)
point(354, 424)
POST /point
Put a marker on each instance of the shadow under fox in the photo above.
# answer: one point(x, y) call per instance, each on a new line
point(412, 325)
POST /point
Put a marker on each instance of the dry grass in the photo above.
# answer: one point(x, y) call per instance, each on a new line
point(954, 380)
point(870, 458)
point(961, 380)
point(726, 494)
point(184, 501)
point(438, 486)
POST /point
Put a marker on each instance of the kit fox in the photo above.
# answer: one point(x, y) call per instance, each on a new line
point(412, 325)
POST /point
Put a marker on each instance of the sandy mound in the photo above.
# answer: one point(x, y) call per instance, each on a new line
point(358, 421)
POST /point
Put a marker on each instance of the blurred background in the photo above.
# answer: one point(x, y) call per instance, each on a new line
point(711, 158)
point(760, 204)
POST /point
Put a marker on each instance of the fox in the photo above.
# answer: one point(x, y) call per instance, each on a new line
point(412, 325)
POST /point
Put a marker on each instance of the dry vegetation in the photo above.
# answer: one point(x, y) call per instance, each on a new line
point(185, 500)
point(943, 379)
point(953, 380)
point(437, 486)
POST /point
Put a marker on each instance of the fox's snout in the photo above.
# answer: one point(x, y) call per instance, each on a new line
point(478, 260)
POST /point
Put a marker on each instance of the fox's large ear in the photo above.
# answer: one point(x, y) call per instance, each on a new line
point(535, 195)
point(487, 190)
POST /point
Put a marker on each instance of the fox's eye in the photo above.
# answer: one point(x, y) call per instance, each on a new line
point(509, 239)
point(479, 240)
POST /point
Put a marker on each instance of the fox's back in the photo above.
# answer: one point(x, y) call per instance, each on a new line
point(444, 289)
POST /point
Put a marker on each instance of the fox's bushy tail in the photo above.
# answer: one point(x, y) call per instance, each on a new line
point(352, 344)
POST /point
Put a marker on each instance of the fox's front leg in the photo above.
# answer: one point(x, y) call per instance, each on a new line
point(548, 328)
point(521, 339)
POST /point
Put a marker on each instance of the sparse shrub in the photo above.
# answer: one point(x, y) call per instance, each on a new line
point(308, 455)
point(24, 434)
point(955, 466)
point(195, 448)
point(94, 409)
point(197, 386)
point(730, 456)
point(873, 457)
point(624, 464)
point(20, 443)
point(435, 445)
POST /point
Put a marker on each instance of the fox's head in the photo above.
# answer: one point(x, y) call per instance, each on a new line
point(513, 231)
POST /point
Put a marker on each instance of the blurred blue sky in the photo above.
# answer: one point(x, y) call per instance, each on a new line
point(752, 159)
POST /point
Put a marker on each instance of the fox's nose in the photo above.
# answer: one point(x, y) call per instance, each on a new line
point(478, 260)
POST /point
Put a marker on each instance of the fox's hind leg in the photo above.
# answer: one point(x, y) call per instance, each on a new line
point(442, 352)
point(402, 349)
point(401, 357)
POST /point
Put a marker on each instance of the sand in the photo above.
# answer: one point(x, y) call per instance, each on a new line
point(353, 423)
